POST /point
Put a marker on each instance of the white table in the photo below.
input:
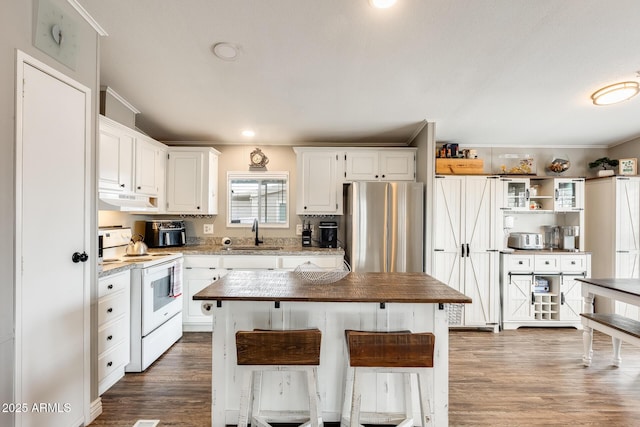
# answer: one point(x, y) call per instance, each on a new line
point(618, 327)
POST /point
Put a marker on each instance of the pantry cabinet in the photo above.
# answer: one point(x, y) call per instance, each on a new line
point(192, 180)
point(466, 244)
point(113, 328)
point(380, 165)
point(319, 188)
point(612, 218)
point(543, 194)
point(542, 289)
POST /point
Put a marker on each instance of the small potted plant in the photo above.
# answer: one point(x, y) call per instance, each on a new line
point(604, 162)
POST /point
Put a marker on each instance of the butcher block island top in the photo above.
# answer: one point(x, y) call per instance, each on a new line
point(267, 285)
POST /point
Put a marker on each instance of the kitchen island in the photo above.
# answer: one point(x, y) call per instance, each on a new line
point(244, 300)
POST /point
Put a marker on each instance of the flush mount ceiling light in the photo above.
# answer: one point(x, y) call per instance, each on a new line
point(225, 51)
point(615, 93)
point(248, 133)
point(382, 4)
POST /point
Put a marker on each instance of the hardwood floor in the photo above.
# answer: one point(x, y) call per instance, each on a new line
point(527, 377)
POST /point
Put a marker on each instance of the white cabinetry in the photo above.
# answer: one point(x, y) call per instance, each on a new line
point(380, 165)
point(543, 194)
point(466, 244)
point(202, 270)
point(612, 217)
point(319, 188)
point(192, 180)
point(131, 166)
point(115, 171)
point(113, 328)
point(541, 289)
point(149, 166)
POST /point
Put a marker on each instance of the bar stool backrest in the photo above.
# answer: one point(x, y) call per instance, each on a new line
point(390, 349)
point(278, 347)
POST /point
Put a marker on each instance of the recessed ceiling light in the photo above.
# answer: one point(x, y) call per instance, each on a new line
point(248, 133)
point(225, 51)
point(382, 4)
point(615, 93)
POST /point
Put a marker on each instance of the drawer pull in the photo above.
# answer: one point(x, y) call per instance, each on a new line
point(573, 263)
point(546, 263)
point(110, 337)
point(109, 364)
point(110, 310)
point(110, 287)
point(520, 262)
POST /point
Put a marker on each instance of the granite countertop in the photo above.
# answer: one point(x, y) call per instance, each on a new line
point(271, 250)
point(270, 285)
point(542, 252)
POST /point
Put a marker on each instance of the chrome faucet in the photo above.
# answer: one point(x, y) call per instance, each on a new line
point(255, 228)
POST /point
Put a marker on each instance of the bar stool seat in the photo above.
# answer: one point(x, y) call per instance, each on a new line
point(277, 350)
point(400, 352)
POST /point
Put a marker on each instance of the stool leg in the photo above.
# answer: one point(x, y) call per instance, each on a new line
point(346, 397)
point(245, 398)
point(256, 419)
point(356, 400)
point(617, 344)
point(425, 405)
point(408, 406)
point(312, 384)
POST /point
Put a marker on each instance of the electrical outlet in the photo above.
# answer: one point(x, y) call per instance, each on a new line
point(208, 229)
point(298, 229)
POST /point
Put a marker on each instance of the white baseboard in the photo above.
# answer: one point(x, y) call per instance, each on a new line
point(95, 409)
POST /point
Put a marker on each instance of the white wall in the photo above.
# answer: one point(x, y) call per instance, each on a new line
point(16, 33)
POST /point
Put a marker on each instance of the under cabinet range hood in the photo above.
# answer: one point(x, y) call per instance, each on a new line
point(127, 202)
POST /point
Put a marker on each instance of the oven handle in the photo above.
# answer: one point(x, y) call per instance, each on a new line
point(159, 267)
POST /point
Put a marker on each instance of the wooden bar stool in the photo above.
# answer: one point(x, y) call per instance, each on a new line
point(399, 352)
point(275, 350)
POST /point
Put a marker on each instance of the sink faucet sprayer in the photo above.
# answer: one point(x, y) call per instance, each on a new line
point(255, 228)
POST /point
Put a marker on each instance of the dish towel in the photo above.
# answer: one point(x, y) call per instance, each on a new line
point(176, 282)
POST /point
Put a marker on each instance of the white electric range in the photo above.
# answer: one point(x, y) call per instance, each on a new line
point(156, 296)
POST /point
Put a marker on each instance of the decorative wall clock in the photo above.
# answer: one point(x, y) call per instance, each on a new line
point(55, 33)
point(258, 159)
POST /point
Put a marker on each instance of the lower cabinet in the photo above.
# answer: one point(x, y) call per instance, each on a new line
point(113, 328)
point(202, 270)
point(542, 290)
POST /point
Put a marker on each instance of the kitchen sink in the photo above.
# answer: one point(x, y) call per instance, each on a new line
point(254, 248)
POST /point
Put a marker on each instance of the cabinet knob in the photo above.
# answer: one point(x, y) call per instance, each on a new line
point(110, 310)
point(546, 263)
point(573, 263)
point(139, 188)
point(110, 364)
point(198, 207)
point(121, 185)
point(376, 176)
point(383, 176)
point(110, 337)
point(305, 207)
point(110, 287)
point(520, 263)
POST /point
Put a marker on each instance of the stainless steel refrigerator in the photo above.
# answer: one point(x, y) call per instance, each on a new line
point(383, 225)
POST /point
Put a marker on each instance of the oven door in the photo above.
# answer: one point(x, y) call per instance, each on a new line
point(158, 305)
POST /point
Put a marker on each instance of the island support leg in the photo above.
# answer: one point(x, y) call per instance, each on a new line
point(587, 334)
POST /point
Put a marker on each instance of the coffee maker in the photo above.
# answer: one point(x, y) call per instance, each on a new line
point(328, 234)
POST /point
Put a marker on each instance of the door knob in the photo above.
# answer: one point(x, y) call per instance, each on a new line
point(79, 257)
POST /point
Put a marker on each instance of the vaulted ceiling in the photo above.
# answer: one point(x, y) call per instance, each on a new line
point(487, 72)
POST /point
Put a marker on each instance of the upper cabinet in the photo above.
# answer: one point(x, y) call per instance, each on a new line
point(131, 171)
point(192, 180)
point(543, 194)
point(319, 188)
point(380, 164)
point(115, 172)
point(149, 166)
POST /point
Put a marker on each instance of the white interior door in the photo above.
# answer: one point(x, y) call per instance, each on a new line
point(52, 302)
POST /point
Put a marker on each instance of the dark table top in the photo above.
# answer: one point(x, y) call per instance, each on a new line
point(629, 286)
point(268, 285)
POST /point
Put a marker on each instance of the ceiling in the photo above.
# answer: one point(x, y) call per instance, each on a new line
point(486, 72)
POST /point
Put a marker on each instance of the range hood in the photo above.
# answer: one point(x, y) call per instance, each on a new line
point(126, 202)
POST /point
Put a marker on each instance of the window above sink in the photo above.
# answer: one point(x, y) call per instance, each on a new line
point(261, 195)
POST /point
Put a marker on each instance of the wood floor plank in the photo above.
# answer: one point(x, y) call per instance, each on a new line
point(525, 377)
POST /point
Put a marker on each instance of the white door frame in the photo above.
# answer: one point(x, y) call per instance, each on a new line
point(21, 59)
